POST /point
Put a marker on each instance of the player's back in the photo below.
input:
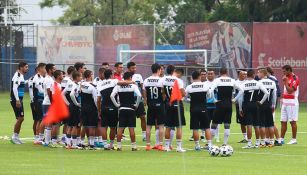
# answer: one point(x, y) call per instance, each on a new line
point(225, 87)
point(250, 91)
point(168, 83)
point(153, 87)
point(198, 93)
point(88, 95)
point(271, 88)
point(126, 95)
point(38, 92)
point(105, 89)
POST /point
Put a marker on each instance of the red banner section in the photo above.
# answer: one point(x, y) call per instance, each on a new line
point(228, 44)
point(111, 39)
point(279, 44)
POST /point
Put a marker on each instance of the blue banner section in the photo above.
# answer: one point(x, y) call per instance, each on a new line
point(170, 58)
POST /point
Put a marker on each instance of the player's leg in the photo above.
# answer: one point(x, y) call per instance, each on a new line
point(131, 124)
point(140, 113)
point(19, 115)
point(122, 124)
point(179, 122)
point(293, 122)
point(194, 127)
point(262, 123)
point(113, 118)
point(227, 121)
point(167, 138)
point(151, 121)
point(249, 126)
point(283, 120)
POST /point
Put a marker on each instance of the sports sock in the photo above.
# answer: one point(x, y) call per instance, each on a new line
point(36, 138)
point(226, 135)
point(179, 143)
point(133, 144)
point(100, 139)
point(91, 140)
point(96, 139)
point(217, 132)
point(209, 143)
point(82, 141)
point(41, 136)
point(272, 141)
point(119, 145)
point(203, 133)
point(167, 143)
point(262, 141)
point(144, 134)
point(74, 140)
point(47, 135)
point(212, 132)
point(257, 142)
point(249, 142)
point(111, 143)
point(197, 143)
point(245, 135)
point(68, 140)
point(172, 136)
point(54, 140)
point(157, 137)
point(15, 136)
point(104, 142)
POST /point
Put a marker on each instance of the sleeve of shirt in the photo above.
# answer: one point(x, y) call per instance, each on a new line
point(295, 84)
point(112, 96)
point(180, 83)
point(16, 82)
point(187, 90)
point(144, 84)
point(141, 79)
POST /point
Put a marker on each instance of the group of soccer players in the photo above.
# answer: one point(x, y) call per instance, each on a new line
point(114, 100)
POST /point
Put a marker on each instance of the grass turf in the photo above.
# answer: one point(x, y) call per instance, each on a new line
point(31, 159)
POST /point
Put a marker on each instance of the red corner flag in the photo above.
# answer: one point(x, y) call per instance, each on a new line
point(176, 94)
point(58, 110)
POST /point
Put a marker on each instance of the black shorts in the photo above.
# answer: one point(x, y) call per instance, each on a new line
point(38, 104)
point(19, 112)
point(210, 113)
point(45, 110)
point(155, 114)
point(266, 116)
point(109, 117)
point(74, 117)
point(140, 111)
point(127, 118)
point(222, 112)
point(199, 120)
point(240, 119)
point(65, 121)
point(250, 110)
point(89, 117)
point(34, 114)
point(172, 119)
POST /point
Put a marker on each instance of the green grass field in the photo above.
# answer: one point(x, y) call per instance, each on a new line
point(31, 159)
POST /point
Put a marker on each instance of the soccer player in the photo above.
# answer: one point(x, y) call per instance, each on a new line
point(278, 94)
point(267, 108)
point(80, 67)
point(290, 105)
point(173, 119)
point(119, 68)
point(203, 75)
point(34, 115)
point(248, 106)
point(72, 92)
point(198, 91)
point(65, 82)
point(140, 111)
point(38, 98)
point(240, 119)
point(17, 93)
point(153, 90)
point(127, 107)
point(106, 109)
point(47, 84)
point(105, 65)
point(100, 76)
point(224, 86)
point(89, 113)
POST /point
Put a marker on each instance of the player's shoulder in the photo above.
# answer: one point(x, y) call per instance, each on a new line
point(137, 76)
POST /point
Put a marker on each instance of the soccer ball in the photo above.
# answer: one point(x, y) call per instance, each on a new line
point(214, 151)
point(226, 151)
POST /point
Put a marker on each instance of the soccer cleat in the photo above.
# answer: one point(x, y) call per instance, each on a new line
point(167, 149)
point(160, 148)
point(155, 147)
point(191, 138)
point(68, 147)
point(21, 142)
point(148, 148)
point(119, 149)
point(292, 142)
point(256, 146)
point(282, 142)
point(206, 147)
point(134, 149)
point(262, 146)
point(38, 142)
point(144, 139)
point(197, 148)
point(270, 146)
point(92, 147)
point(15, 141)
point(224, 145)
point(180, 150)
point(243, 141)
point(247, 147)
point(277, 144)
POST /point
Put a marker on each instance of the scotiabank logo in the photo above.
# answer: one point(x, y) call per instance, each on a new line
point(279, 62)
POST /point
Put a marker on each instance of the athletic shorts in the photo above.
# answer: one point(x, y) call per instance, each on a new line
point(140, 111)
point(38, 104)
point(19, 112)
point(240, 119)
point(74, 117)
point(89, 117)
point(127, 118)
point(223, 112)
point(172, 119)
point(199, 120)
point(45, 110)
point(266, 116)
point(250, 110)
point(109, 117)
point(210, 113)
point(65, 121)
point(34, 113)
point(289, 113)
point(155, 114)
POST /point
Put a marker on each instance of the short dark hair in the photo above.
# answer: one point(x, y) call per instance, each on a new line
point(87, 73)
point(75, 74)
point(105, 64)
point(49, 67)
point(79, 65)
point(107, 73)
point(57, 73)
point(179, 70)
point(63, 72)
point(287, 68)
point(155, 68)
point(202, 70)
point(40, 65)
point(130, 64)
point(101, 70)
point(223, 71)
point(22, 64)
point(250, 73)
point(270, 70)
point(209, 70)
point(127, 75)
point(170, 69)
point(70, 69)
point(117, 64)
point(195, 75)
